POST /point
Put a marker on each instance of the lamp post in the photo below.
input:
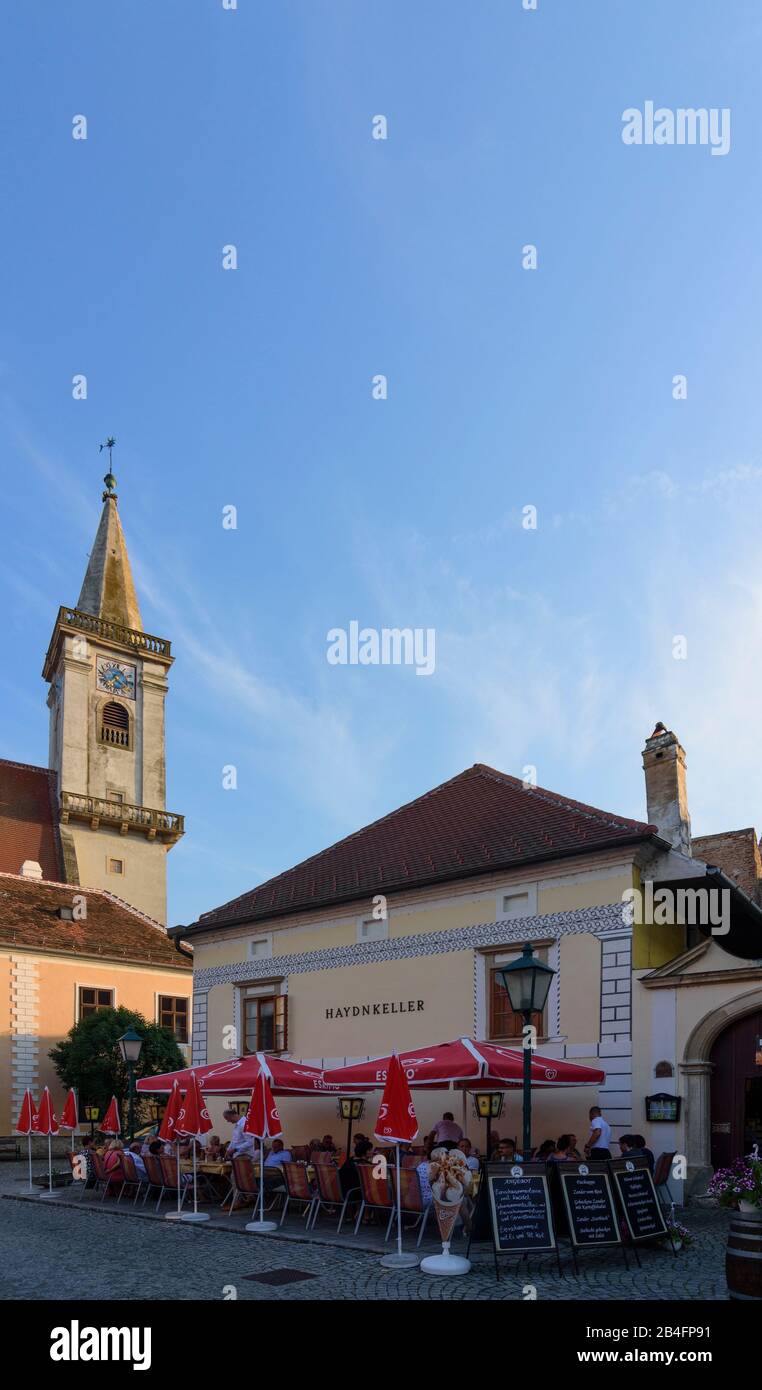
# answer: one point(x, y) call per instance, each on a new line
point(527, 982)
point(130, 1046)
point(488, 1106)
point(350, 1108)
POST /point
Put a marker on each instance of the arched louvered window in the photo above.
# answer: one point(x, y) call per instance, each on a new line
point(115, 725)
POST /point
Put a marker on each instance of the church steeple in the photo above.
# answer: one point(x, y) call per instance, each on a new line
point(108, 591)
point(108, 685)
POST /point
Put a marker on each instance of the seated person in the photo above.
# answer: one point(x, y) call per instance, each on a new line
point(278, 1155)
point(328, 1145)
point(213, 1151)
point(137, 1158)
point(561, 1153)
point(634, 1146)
point(547, 1147)
point(573, 1150)
point(506, 1152)
point(349, 1177)
point(86, 1166)
point(113, 1162)
point(472, 1161)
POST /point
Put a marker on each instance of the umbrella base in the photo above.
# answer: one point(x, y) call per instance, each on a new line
point(263, 1227)
point(173, 1215)
point(399, 1261)
point(194, 1216)
point(445, 1264)
point(47, 1195)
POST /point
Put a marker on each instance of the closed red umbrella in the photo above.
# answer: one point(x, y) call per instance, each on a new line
point(263, 1121)
point(194, 1120)
point(397, 1124)
point(70, 1118)
point(47, 1123)
point(27, 1124)
point(111, 1122)
point(168, 1132)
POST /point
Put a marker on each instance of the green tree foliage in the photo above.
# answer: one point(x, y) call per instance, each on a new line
point(89, 1058)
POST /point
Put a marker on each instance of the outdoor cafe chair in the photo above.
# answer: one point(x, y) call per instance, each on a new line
point(411, 1200)
point(330, 1196)
point(298, 1189)
point(155, 1176)
point(318, 1156)
point(102, 1176)
point(376, 1196)
point(131, 1177)
point(168, 1170)
point(243, 1182)
point(662, 1174)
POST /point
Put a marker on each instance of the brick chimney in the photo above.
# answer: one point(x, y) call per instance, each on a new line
point(666, 794)
point(31, 869)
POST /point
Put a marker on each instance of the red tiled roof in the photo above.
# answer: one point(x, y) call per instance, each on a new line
point(479, 821)
point(110, 929)
point(28, 819)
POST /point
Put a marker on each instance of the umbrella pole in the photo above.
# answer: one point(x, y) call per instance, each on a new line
point(195, 1189)
point(50, 1165)
point(261, 1178)
point(177, 1151)
point(399, 1203)
point(29, 1150)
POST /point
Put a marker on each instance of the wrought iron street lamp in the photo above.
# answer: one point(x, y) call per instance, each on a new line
point(488, 1105)
point(526, 981)
point(130, 1046)
point(350, 1108)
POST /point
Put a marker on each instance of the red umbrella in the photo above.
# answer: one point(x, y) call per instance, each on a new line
point(27, 1120)
point(168, 1132)
point(70, 1118)
point(396, 1124)
point(423, 1066)
point(169, 1120)
point(263, 1121)
point(506, 1064)
point(46, 1123)
point(111, 1123)
point(238, 1074)
point(27, 1124)
point(193, 1119)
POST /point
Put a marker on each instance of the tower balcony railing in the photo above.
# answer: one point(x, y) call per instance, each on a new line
point(111, 632)
point(146, 820)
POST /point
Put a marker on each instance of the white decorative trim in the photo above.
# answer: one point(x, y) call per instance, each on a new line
point(24, 1027)
point(601, 921)
point(199, 1032)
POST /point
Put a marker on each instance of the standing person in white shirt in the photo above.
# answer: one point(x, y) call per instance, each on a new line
point(599, 1139)
point(241, 1145)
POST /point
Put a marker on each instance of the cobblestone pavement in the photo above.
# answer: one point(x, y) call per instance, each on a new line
point(57, 1251)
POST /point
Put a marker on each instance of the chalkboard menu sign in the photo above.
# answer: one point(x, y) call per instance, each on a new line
point(589, 1204)
point(641, 1206)
point(520, 1207)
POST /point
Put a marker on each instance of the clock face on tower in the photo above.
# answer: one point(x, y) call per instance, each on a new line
point(115, 677)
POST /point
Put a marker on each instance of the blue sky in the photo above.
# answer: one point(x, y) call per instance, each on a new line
point(506, 388)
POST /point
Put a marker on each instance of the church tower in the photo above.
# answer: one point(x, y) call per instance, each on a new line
point(108, 684)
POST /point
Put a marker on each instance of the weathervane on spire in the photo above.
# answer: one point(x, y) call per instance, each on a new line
point(109, 479)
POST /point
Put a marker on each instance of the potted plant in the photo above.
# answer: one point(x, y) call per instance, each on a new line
point(740, 1186)
point(681, 1237)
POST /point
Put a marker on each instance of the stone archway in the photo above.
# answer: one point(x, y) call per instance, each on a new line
point(696, 1067)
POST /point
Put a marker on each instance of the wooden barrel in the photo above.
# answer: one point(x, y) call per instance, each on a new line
point(743, 1260)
